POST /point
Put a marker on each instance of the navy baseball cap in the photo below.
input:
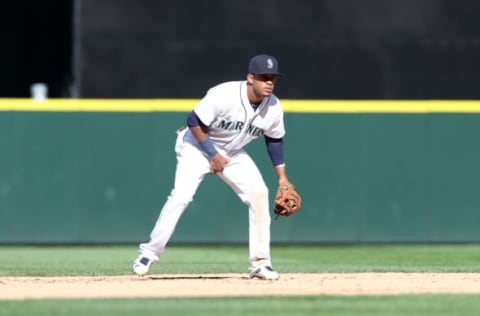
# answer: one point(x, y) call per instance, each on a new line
point(264, 65)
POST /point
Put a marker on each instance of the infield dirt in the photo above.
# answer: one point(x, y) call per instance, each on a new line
point(211, 285)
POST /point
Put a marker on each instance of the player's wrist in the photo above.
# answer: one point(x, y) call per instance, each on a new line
point(208, 147)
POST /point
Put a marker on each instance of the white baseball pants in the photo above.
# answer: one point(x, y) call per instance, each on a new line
point(241, 174)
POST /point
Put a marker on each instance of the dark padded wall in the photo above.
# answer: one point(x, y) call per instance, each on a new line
point(410, 49)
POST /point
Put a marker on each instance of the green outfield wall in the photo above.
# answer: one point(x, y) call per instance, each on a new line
point(87, 171)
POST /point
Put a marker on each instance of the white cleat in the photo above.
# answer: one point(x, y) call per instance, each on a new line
point(141, 265)
point(263, 273)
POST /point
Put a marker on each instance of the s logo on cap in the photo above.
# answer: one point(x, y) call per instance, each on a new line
point(269, 63)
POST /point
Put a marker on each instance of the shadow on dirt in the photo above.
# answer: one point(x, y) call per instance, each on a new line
point(195, 277)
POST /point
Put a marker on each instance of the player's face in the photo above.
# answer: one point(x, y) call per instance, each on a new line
point(263, 85)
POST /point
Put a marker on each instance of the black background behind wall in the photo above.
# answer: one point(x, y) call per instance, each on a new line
point(345, 49)
point(35, 46)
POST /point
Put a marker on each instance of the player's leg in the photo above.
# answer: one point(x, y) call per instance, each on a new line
point(190, 171)
point(246, 180)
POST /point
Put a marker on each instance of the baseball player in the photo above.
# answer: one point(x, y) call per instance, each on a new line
point(227, 118)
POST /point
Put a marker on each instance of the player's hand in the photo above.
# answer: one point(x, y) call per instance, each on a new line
point(217, 163)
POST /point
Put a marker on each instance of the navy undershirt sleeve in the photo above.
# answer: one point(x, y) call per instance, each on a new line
point(193, 120)
point(275, 150)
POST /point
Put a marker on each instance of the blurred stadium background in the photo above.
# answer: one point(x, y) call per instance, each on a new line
point(381, 49)
point(92, 176)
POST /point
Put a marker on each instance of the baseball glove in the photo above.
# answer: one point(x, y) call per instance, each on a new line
point(287, 201)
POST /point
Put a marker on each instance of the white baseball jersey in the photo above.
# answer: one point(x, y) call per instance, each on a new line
point(233, 122)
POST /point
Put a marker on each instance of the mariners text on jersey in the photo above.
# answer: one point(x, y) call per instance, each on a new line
point(238, 126)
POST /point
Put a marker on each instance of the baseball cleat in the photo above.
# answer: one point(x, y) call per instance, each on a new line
point(141, 265)
point(263, 273)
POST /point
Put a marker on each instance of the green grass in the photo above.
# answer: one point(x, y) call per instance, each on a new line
point(117, 260)
point(421, 305)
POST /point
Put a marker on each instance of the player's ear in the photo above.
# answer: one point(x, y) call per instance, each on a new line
point(250, 78)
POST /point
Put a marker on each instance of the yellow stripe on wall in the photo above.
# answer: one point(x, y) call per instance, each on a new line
point(382, 106)
point(290, 105)
point(98, 105)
